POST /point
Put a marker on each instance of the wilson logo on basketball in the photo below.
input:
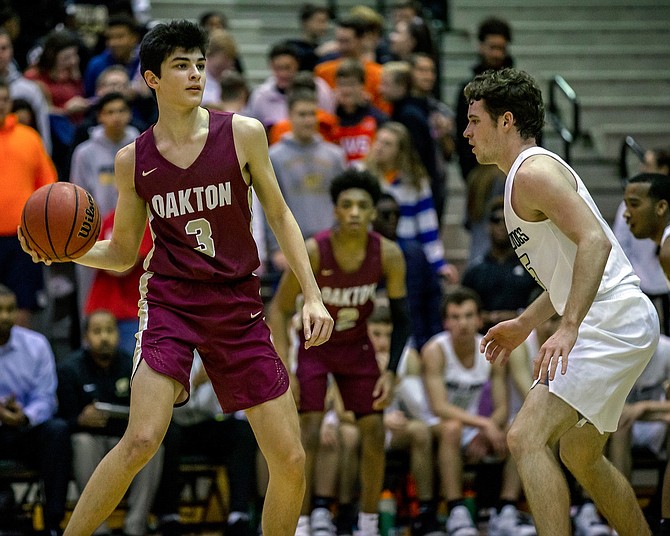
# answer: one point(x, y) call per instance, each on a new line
point(89, 218)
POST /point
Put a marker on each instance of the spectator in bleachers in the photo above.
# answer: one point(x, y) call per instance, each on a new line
point(455, 372)
point(29, 432)
point(89, 382)
point(424, 292)
point(642, 252)
point(304, 164)
point(327, 122)
point(358, 119)
point(24, 113)
point(494, 36)
point(267, 102)
point(395, 162)
point(113, 79)
point(644, 421)
point(122, 37)
point(647, 198)
point(213, 20)
point(405, 10)
point(234, 92)
point(25, 167)
point(441, 117)
point(414, 114)
point(57, 72)
point(93, 166)
point(314, 23)
point(375, 46)
point(33, 20)
point(221, 55)
point(22, 88)
point(350, 34)
point(93, 160)
point(411, 37)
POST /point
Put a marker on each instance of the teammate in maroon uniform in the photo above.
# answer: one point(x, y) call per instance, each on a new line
point(349, 262)
point(192, 171)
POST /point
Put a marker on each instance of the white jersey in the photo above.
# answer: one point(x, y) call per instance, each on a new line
point(620, 331)
point(549, 255)
point(666, 233)
point(464, 385)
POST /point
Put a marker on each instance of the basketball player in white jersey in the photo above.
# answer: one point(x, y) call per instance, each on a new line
point(647, 199)
point(608, 330)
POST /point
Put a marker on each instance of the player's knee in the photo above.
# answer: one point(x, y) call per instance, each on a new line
point(140, 446)
point(350, 437)
point(291, 463)
point(420, 433)
point(451, 432)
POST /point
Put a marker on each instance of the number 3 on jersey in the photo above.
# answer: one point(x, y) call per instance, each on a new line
point(203, 234)
point(525, 260)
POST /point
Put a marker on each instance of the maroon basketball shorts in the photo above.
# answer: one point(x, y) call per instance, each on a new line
point(225, 323)
point(354, 367)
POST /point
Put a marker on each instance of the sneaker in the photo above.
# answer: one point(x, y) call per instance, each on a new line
point(321, 522)
point(588, 523)
point(459, 522)
point(368, 524)
point(510, 522)
point(303, 527)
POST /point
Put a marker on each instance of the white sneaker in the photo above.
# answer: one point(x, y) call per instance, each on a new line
point(588, 522)
point(303, 527)
point(459, 522)
point(321, 522)
point(510, 522)
point(368, 524)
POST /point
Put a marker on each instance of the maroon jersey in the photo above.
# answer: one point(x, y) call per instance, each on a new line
point(349, 296)
point(200, 217)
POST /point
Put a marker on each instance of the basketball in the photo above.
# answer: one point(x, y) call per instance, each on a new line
point(60, 221)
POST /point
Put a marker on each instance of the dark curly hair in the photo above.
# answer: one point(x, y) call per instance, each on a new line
point(510, 90)
point(355, 178)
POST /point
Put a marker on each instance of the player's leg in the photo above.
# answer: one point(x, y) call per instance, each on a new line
point(542, 420)
point(372, 461)
point(310, 432)
point(450, 459)
point(151, 401)
point(619, 448)
point(277, 429)
point(581, 450)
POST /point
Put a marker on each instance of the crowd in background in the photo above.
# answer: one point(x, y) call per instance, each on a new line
point(362, 92)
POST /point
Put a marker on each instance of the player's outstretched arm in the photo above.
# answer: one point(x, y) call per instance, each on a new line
point(120, 252)
point(252, 150)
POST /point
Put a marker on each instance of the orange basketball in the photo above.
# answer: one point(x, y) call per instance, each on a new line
point(60, 221)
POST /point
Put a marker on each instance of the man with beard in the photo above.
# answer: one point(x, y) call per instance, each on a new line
point(94, 396)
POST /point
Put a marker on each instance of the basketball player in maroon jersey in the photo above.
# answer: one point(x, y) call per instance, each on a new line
point(349, 262)
point(192, 173)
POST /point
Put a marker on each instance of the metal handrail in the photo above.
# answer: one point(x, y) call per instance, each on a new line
point(628, 146)
point(567, 134)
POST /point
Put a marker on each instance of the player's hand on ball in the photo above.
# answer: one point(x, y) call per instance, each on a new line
point(33, 254)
